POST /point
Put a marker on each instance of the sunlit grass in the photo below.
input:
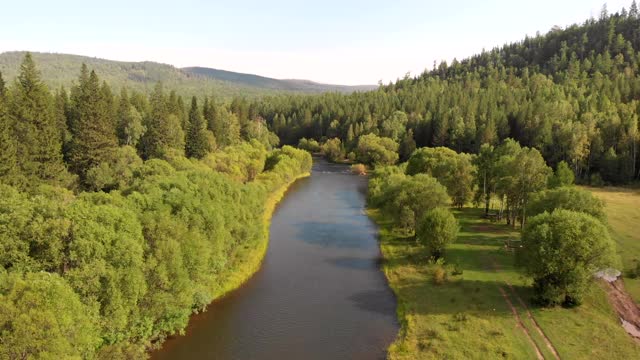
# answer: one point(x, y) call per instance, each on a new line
point(467, 317)
point(623, 212)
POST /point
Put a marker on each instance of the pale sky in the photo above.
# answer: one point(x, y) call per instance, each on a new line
point(339, 42)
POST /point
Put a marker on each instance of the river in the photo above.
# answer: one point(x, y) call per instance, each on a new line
point(320, 293)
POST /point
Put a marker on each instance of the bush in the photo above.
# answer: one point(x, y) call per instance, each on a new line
point(359, 169)
point(437, 229)
point(439, 275)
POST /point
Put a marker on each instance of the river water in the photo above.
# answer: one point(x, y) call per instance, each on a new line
point(319, 294)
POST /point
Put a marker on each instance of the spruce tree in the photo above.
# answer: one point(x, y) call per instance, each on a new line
point(38, 144)
point(163, 129)
point(633, 12)
point(197, 145)
point(94, 139)
point(8, 161)
point(61, 111)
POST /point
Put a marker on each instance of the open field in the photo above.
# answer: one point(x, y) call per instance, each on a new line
point(485, 312)
point(623, 212)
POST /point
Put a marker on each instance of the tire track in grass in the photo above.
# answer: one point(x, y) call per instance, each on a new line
point(520, 324)
point(544, 337)
point(547, 341)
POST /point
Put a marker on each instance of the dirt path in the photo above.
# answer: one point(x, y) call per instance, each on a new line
point(547, 341)
point(627, 309)
point(520, 324)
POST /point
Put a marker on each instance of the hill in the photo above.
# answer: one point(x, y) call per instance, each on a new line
point(262, 82)
point(63, 69)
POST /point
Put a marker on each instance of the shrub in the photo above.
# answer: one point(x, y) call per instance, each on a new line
point(359, 169)
point(439, 275)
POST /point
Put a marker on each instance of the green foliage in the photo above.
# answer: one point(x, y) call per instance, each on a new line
point(311, 145)
point(116, 172)
point(561, 251)
point(225, 127)
point(562, 177)
point(42, 318)
point(106, 273)
point(38, 144)
point(241, 162)
point(374, 150)
point(455, 171)
point(333, 150)
point(257, 130)
point(395, 126)
point(197, 143)
point(164, 128)
point(435, 230)
point(405, 198)
point(91, 123)
point(571, 93)
point(567, 198)
point(129, 121)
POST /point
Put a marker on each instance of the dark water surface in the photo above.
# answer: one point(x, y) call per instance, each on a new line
point(320, 293)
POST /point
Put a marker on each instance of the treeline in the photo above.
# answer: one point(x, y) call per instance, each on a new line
point(565, 237)
point(573, 94)
point(120, 216)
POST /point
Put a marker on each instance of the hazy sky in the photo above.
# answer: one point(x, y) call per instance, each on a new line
point(342, 42)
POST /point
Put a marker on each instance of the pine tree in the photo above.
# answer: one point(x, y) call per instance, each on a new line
point(197, 145)
point(38, 144)
point(94, 139)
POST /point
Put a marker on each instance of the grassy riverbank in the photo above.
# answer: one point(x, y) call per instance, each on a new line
point(623, 212)
point(484, 312)
point(247, 259)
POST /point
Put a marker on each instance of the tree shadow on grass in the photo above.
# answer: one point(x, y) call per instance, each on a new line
point(472, 297)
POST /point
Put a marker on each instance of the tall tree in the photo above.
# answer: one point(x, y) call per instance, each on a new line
point(164, 130)
point(197, 145)
point(38, 144)
point(8, 160)
point(94, 137)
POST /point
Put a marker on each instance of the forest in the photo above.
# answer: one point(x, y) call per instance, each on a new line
point(120, 216)
point(571, 93)
point(123, 213)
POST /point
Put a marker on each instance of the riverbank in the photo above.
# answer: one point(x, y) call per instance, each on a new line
point(484, 312)
point(247, 260)
point(623, 214)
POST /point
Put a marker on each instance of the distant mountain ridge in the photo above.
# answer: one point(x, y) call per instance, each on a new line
point(271, 83)
point(63, 69)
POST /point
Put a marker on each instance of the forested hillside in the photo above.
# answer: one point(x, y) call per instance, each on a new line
point(61, 70)
point(120, 216)
point(572, 93)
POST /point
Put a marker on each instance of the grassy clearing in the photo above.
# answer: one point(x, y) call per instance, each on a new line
point(247, 260)
point(623, 211)
point(468, 318)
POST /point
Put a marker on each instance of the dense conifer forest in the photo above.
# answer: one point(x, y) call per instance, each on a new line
point(572, 93)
